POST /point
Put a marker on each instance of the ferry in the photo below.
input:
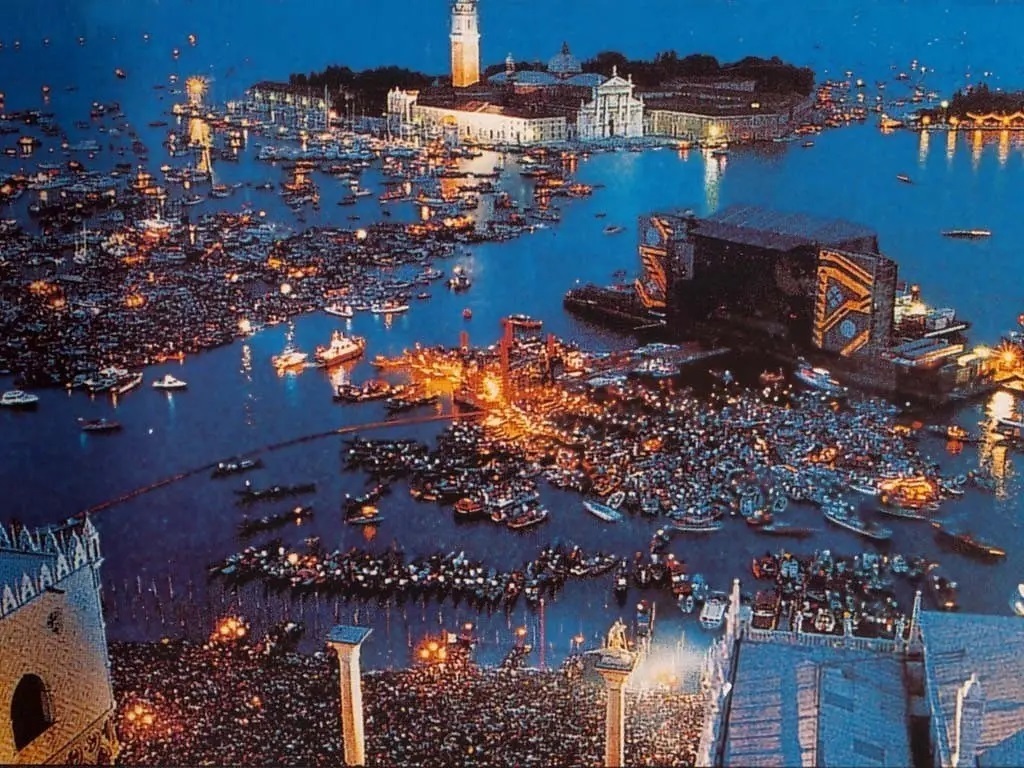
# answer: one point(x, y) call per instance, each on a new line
point(967, 234)
point(169, 382)
point(817, 378)
point(342, 348)
point(15, 398)
point(966, 543)
point(340, 310)
point(713, 612)
point(840, 515)
point(99, 425)
point(290, 358)
point(602, 512)
point(389, 307)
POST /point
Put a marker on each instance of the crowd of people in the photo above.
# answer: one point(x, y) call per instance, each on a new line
point(184, 703)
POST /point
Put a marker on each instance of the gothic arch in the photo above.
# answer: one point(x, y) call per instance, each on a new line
point(31, 710)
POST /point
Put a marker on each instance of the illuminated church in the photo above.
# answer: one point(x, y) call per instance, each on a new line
point(58, 705)
point(517, 107)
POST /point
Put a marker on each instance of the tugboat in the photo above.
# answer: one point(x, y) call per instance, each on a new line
point(342, 348)
point(966, 543)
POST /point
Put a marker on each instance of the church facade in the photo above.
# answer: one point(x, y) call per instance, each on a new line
point(54, 668)
point(612, 112)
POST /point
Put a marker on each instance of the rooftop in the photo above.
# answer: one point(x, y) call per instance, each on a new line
point(750, 225)
point(816, 705)
point(564, 63)
point(991, 647)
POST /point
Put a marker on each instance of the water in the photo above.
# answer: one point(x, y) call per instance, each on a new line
point(237, 403)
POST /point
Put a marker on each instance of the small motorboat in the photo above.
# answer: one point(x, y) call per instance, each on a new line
point(904, 178)
point(99, 425)
point(467, 314)
point(15, 398)
point(169, 382)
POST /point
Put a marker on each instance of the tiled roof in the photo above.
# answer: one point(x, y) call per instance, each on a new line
point(991, 647)
point(810, 705)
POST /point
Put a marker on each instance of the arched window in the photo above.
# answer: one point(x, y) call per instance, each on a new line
point(30, 711)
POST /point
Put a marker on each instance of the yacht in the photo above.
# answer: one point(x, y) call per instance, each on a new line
point(340, 310)
point(342, 348)
point(15, 398)
point(818, 378)
point(389, 307)
point(713, 612)
point(169, 382)
point(290, 358)
point(602, 512)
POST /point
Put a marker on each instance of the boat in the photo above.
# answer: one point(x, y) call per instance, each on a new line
point(807, 144)
point(99, 425)
point(966, 543)
point(1017, 600)
point(249, 495)
point(467, 314)
point(127, 384)
point(290, 358)
point(532, 516)
point(904, 513)
point(904, 178)
point(467, 508)
point(713, 612)
point(602, 511)
point(943, 590)
point(342, 348)
point(169, 382)
point(225, 468)
point(248, 527)
point(613, 229)
point(644, 619)
point(686, 603)
point(525, 321)
point(616, 499)
point(15, 398)
point(841, 515)
point(193, 200)
point(967, 234)
point(389, 307)
point(817, 378)
point(120, 74)
point(340, 310)
point(367, 514)
point(786, 529)
point(771, 378)
point(686, 526)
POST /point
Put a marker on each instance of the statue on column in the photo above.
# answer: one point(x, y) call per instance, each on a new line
point(617, 637)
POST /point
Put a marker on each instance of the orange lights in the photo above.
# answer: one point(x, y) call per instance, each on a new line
point(230, 629)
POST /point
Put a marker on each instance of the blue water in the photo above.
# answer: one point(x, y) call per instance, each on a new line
point(237, 403)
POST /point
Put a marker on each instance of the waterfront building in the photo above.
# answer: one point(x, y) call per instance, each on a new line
point(54, 668)
point(465, 44)
point(476, 120)
point(612, 112)
point(713, 110)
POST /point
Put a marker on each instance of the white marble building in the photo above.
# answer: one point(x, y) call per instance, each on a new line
point(613, 111)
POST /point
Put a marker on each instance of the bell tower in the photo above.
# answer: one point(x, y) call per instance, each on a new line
point(465, 39)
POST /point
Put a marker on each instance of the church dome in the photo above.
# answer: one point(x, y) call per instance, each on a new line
point(564, 63)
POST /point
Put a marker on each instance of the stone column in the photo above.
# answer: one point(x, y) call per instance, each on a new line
point(346, 640)
point(615, 668)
